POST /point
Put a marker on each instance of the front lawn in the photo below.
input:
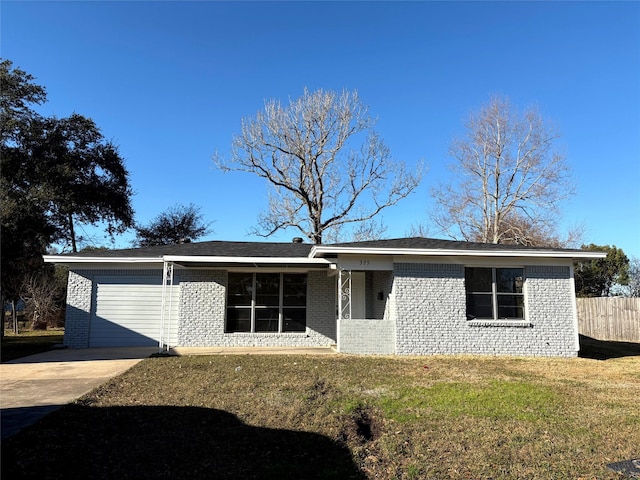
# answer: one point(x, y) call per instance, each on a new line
point(340, 417)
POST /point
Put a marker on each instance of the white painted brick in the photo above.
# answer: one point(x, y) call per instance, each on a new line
point(422, 312)
point(431, 314)
point(203, 310)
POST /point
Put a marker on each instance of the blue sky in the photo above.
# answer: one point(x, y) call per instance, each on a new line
point(169, 82)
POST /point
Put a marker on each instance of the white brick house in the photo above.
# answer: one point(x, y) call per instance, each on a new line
point(409, 296)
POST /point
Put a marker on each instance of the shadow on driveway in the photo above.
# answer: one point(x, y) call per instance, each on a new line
point(57, 355)
point(33, 386)
point(15, 419)
point(157, 442)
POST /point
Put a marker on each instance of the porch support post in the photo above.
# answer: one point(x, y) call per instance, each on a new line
point(344, 299)
point(165, 313)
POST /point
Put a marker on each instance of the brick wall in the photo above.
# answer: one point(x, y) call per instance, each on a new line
point(367, 336)
point(202, 307)
point(425, 313)
point(431, 314)
point(79, 296)
point(551, 307)
point(202, 314)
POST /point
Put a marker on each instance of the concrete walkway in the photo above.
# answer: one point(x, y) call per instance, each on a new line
point(186, 351)
point(33, 386)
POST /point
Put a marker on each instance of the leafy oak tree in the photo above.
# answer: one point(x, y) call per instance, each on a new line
point(60, 169)
point(54, 173)
point(178, 224)
point(87, 180)
point(325, 165)
point(509, 179)
point(596, 277)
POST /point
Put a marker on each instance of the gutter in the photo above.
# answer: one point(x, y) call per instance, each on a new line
point(318, 250)
point(247, 260)
point(71, 260)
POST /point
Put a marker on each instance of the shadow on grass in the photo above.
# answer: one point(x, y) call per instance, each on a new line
point(168, 442)
point(18, 346)
point(605, 350)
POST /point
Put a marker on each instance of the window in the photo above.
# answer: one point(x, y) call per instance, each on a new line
point(494, 293)
point(266, 302)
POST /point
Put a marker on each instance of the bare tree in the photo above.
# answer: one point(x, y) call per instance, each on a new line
point(324, 163)
point(634, 277)
point(42, 297)
point(509, 179)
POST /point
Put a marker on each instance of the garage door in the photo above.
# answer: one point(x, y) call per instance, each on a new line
point(128, 312)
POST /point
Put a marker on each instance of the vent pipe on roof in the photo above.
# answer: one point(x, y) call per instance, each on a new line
point(297, 240)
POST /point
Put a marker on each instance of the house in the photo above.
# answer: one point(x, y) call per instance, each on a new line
point(406, 296)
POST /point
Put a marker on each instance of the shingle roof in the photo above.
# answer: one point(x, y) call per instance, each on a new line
point(220, 248)
point(437, 244)
point(215, 248)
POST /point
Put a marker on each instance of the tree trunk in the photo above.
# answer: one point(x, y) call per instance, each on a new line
point(14, 317)
point(72, 232)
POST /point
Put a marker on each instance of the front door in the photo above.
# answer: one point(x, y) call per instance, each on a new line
point(358, 310)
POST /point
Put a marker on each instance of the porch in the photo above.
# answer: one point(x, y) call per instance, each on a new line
point(366, 320)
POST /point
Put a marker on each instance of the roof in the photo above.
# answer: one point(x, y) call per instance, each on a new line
point(304, 254)
point(202, 254)
point(437, 243)
point(215, 248)
point(437, 247)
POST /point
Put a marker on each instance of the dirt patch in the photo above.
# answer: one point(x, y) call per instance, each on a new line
point(319, 390)
point(361, 426)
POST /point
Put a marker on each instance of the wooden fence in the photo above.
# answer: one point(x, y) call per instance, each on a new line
point(610, 318)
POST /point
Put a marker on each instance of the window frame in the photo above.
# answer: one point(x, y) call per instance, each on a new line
point(495, 295)
point(257, 308)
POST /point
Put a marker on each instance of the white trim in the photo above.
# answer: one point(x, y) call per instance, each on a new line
point(439, 252)
point(167, 281)
point(497, 320)
point(574, 308)
point(64, 260)
point(487, 261)
point(270, 269)
point(318, 250)
point(247, 260)
point(254, 307)
point(72, 260)
point(500, 323)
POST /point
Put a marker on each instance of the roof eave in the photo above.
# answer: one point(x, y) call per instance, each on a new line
point(72, 260)
point(185, 259)
point(246, 260)
point(317, 250)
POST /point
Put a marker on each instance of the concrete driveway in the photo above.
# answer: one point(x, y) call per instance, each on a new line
point(31, 387)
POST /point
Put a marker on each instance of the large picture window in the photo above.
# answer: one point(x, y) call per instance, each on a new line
point(266, 302)
point(494, 293)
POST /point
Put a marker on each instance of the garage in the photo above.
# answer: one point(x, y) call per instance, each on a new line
point(128, 312)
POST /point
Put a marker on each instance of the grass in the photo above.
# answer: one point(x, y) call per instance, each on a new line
point(280, 417)
point(28, 342)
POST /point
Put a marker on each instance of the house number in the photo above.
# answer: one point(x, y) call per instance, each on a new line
point(365, 262)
